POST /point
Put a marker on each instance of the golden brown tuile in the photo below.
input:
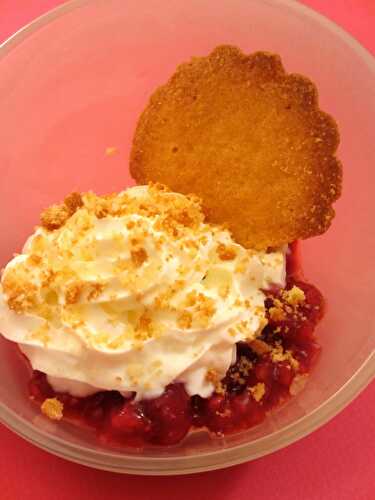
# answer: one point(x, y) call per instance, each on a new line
point(249, 140)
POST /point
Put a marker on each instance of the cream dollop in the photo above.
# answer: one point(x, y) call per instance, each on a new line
point(133, 291)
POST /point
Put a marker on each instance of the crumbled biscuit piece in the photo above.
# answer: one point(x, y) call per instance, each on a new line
point(110, 150)
point(183, 217)
point(52, 408)
point(294, 296)
point(276, 313)
point(138, 256)
point(213, 377)
point(34, 259)
point(73, 202)
point(54, 217)
point(278, 354)
point(21, 293)
point(184, 320)
point(258, 391)
point(204, 309)
point(225, 252)
point(73, 292)
point(191, 298)
point(157, 186)
point(145, 327)
point(96, 289)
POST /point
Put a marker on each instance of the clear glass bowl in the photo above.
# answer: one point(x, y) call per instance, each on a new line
point(73, 84)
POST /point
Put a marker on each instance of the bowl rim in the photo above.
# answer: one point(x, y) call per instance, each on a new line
point(136, 464)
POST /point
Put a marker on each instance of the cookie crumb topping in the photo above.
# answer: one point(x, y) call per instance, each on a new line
point(258, 391)
point(294, 296)
point(52, 408)
point(137, 275)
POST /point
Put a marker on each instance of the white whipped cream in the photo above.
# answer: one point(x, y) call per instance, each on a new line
point(133, 292)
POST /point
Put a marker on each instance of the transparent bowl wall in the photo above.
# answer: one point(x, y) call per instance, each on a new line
point(73, 84)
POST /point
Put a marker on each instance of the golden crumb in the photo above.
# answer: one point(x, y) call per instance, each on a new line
point(276, 313)
point(73, 202)
point(185, 218)
point(184, 320)
point(21, 294)
point(52, 408)
point(213, 377)
point(34, 259)
point(101, 208)
point(226, 252)
point(258, 391)
point(110, 150)
point(157, 186)
point(73, 292)
point(96, 289)
point(294, 296)
point(145, 328)
point(204, 309)
point(278, 354)
point(138, 256)
point(191, 298)
point(54, 217)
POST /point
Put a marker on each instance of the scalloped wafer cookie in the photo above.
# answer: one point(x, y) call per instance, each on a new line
point(247, 138)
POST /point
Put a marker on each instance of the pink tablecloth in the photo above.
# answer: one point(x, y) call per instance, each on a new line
point(335, 462)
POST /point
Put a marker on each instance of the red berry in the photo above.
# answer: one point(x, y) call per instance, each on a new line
point(284, 374)
point(170, 414)
point(264, 371)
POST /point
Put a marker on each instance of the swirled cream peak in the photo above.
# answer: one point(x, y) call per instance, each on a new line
point(133, 291)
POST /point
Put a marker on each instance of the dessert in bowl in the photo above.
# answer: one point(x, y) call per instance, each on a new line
point(143, 321)
point(61, 148)
point(149, 313)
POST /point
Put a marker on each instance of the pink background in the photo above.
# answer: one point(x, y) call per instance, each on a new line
point(335, 462)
